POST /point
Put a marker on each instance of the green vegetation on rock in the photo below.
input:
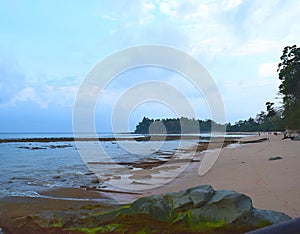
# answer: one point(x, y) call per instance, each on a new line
point(195, 210)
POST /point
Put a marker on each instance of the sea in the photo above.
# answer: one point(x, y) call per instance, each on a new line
point(27, 168)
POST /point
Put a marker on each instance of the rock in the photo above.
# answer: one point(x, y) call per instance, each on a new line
point(274, 158)
point(95, 181)
point(225, 206)
point(89, 173)
point(202, 209)
point(290, 226)
point(181, 200)
point(32, 148)
point(158, 206)
point(59, 146)
point(269, 216)
point(201, 194)
point(196, 210)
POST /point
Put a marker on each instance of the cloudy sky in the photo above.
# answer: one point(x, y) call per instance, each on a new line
point(48, 47)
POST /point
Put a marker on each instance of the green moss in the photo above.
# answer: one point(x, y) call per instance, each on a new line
point(122, 209)
point(178, 218)
point(213, 224)
point(207, 226)
point(125, 206)
point(185, 218)
point(58, 224)
point(143, 231)
point(264, 224)
point(102, 229)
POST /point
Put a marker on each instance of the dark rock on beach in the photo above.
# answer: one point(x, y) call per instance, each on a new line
point(59, 146)
point(32, 148)
point(274, 158)
point(203, 209)
point(196, 210)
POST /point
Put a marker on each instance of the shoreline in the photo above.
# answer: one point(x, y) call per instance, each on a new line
point(146, 137)
point(271, 184)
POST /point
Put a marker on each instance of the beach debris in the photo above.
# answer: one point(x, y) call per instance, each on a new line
point(117, 191)
point(293, 135)
point(296, 138)
point(275, 158)
point(254, 140)
point(138, 182)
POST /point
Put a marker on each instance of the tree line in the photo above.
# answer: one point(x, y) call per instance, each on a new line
point(270, 120)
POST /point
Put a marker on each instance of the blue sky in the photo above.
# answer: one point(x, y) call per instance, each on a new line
point(48, 47)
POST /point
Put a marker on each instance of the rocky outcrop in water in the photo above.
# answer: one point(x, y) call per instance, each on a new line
point(196, 210)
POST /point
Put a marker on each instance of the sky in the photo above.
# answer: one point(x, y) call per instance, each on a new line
point(48, 47)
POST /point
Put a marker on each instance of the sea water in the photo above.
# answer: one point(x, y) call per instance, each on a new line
point(29, 167)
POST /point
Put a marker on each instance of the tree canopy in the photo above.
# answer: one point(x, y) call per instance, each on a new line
point(265, 121)
point(289, 74)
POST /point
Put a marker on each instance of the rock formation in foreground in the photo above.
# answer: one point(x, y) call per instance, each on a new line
point(196, 210)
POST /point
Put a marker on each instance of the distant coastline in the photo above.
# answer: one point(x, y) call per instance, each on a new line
point(105, 139)
point(186, 125)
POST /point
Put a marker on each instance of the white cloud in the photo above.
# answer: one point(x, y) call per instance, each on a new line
point(108, 17)
point(28, 94)
point(257, 46)
point(44, 95)
point(267, 69)
point(230, 4)
point(147, 6)
point(147, 12)
point(168, 8)
point(230, 27)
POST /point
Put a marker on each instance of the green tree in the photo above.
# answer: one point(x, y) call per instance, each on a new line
point(289, 74)
point(270, 109)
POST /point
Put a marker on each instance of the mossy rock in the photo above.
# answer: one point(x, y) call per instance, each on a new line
point(196, 210)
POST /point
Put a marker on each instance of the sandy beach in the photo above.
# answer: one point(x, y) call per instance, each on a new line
point(272, 185)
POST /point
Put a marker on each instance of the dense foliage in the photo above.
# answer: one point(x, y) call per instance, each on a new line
point(289, 74)
point(265, 121)
point(175, 125)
